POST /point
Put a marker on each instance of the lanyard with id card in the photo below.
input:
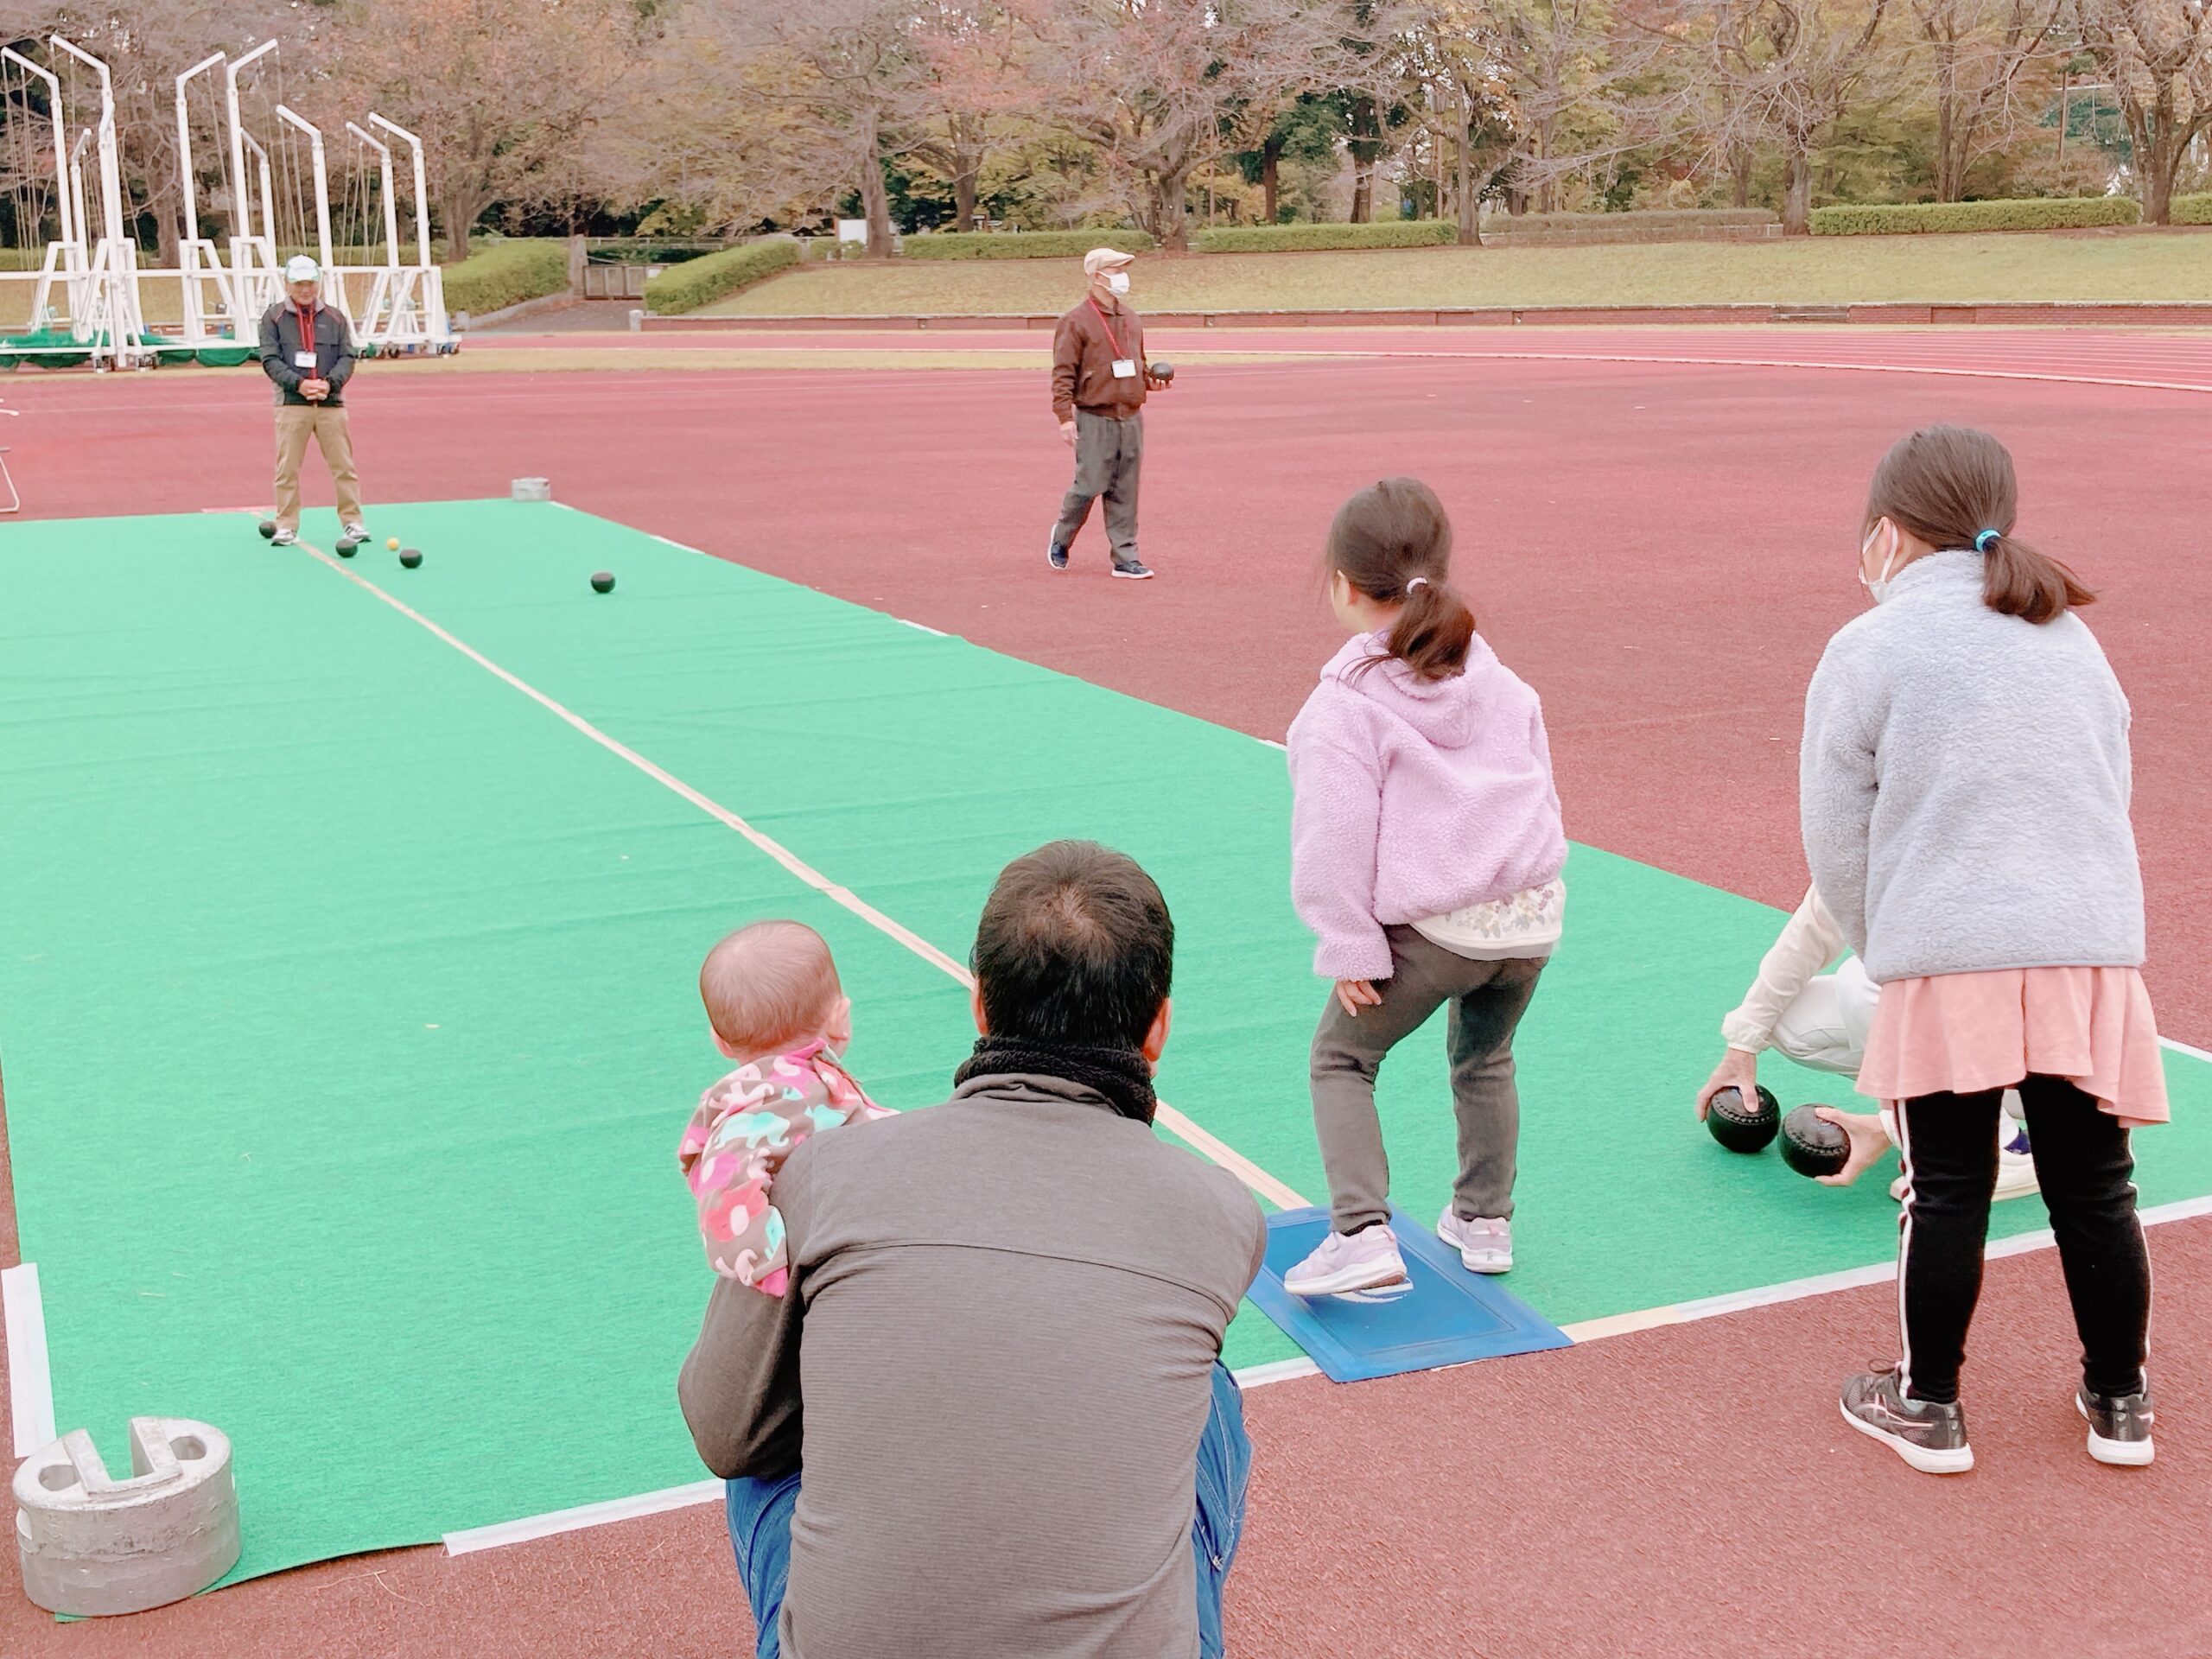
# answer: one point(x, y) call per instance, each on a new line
point(305, 358)
point(1125, 366)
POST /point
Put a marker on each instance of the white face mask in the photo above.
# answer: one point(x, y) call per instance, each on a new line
point(1118, 281)
point(1879, 588)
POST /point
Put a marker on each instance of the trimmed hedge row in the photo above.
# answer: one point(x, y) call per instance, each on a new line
point(1021, 245)
point(1940, 217)
point(506, 273)
point(1652, 218)
point(703, 281)
point(2192, 210)
point(1284, 238)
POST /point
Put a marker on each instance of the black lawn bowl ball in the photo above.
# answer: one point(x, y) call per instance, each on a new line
point(1811, 1145)
point(1740, 1131)
point(1163, 369)
point(411, 557)
point(603, 583)
point(347, 545)
point(267, 528)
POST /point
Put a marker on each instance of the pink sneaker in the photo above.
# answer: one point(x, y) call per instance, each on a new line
point(1485, 1244)
point(1344, 1261)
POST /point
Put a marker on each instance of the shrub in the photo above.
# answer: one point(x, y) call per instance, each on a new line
point(506, 273)
point(1658, 219)
point(1933, 218)
point(1284, 238)
point(2192, 210)
point(1022, 244)
point(701, 282)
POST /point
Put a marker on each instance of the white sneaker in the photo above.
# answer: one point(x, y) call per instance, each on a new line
point(1485, 1244)
point(2016, 1175)
point(285, 538)
point(357, 531)
point(1344, 1261)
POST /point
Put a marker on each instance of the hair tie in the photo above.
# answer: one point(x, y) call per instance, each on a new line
point(1981, 542)
point(1418, 582)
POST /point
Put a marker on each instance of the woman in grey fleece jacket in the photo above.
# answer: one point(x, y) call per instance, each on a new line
point(1964, 794)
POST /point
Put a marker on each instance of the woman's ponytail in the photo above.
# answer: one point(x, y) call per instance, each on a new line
point(1392, 543)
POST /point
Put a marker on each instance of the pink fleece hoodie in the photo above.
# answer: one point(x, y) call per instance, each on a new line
point(1413, 798)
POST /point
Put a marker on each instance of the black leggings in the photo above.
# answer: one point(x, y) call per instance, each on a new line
point(2083, 1163)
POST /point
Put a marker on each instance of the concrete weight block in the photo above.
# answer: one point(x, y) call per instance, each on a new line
point(531, 489)
point(90, 1544)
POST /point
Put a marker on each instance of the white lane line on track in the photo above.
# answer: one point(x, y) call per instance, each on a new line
point(30, 1379)
point(1175, 1122)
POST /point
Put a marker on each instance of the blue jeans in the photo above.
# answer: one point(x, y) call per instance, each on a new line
point(760, 1523)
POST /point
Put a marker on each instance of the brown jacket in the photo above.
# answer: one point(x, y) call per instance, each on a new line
point(1083, 362)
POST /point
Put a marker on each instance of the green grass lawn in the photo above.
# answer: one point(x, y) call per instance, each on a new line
point(2176, 265)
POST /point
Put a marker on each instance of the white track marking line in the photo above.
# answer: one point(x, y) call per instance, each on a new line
point(2180, 1048)
point(1275, 1370)
point(472, 1539)
point(30, 1380)
point(678, 546)
point(919, 627)
point(1214, 1148)
point(1758, 363)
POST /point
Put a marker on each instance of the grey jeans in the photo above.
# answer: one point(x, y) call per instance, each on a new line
point(1108, 453)
point(1487, 1000)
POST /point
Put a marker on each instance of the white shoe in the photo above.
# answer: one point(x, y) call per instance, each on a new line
point(286, 537)
point(357, 531)
point(2016, 1175)
point(1485, 1244)
point(1344, 1261)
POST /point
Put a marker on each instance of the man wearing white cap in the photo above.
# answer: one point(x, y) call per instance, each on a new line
point(308, 351)
point(1099, 380)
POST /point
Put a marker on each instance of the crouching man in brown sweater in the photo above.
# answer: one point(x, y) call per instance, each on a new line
point(1099, 380)
point(1004, 1323)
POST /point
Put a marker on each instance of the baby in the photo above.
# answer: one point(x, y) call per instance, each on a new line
point(774, 999)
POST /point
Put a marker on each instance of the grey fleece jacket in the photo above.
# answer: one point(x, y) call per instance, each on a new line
point(1964, 787)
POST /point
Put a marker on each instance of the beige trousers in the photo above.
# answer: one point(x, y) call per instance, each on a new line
point(295, 424)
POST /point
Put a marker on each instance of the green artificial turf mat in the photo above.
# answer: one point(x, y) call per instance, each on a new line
point(347, 1006)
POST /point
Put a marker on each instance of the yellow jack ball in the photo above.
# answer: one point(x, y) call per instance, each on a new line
point(392, 543)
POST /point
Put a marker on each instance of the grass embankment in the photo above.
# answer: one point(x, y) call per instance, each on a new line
point(1815, 270)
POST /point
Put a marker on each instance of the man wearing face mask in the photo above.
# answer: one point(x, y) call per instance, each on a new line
point(1099, 381)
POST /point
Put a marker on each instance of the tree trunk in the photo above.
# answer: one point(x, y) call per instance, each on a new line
point(1797, 199)
point(963, 201)
point(460, 206)
point(1271, 174)
point(1467, 203)
point(1165, 209)
point(1741, 161)
point(875, 200)
point(1365, 155)
point(2160, 143)
point(1949, 185)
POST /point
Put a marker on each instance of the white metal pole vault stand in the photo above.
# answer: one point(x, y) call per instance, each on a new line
point(255, 282)
point(112, 325)
point(416, 316)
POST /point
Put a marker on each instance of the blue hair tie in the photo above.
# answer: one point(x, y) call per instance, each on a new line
point(1981, 542)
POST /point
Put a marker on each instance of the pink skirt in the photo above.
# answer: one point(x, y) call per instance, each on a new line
point(1962, 1033)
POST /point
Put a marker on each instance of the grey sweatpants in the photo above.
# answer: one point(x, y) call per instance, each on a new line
point(1487, 1000)
point(1108, 453)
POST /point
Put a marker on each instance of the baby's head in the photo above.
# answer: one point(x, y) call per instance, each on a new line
point(771, 987)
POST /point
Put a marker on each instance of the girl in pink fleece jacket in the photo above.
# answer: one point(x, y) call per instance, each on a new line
point(1426, 853)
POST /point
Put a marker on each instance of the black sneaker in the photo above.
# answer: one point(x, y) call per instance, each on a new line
point(2119, 1426)
point(1134, 570)
point(1055, 554)
point(1930, 1437)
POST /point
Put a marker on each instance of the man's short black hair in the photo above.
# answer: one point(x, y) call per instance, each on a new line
point(1075, 946)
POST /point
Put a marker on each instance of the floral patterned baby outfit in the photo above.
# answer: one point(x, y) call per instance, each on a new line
point(745, 1126)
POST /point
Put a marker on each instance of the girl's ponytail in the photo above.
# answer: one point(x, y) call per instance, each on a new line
point(1952, 487)
point(1432, 630)
point(2020, 581)
point(1392, 543)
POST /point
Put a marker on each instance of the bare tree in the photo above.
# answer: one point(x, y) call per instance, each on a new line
point(2158, 55)
point(1789, 68)
point(1450, 52)
point(1159, 86)
point(1980, 52)
point(502, 92)
point(965, 93)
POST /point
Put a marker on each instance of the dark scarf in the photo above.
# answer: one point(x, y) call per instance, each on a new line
point(1122, 1075)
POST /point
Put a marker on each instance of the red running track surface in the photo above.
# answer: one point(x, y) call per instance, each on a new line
point(1661, 549)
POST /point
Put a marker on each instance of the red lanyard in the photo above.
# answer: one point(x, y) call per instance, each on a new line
point(305, 321)
point(1111, 336)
